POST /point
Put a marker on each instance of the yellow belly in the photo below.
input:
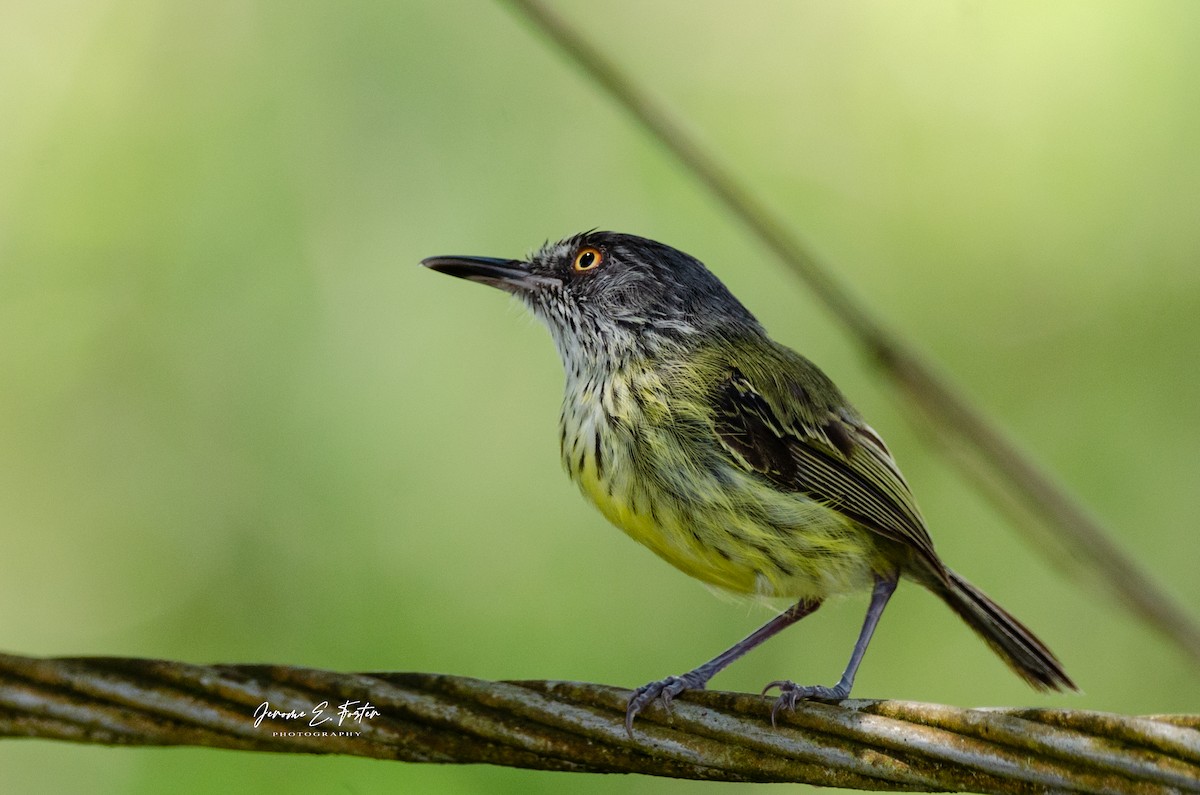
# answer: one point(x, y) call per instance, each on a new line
point(812, 551)
point(695, 508)
point(657, 530)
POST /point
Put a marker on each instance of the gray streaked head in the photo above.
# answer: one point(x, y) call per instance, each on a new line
point(606, 289)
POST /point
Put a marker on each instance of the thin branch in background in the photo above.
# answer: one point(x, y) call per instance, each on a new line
point(1061, 521)
point(571, 726)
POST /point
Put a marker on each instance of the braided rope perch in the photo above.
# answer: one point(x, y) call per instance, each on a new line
point(570, 726)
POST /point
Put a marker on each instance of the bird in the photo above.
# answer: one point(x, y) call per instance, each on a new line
point(730, 456)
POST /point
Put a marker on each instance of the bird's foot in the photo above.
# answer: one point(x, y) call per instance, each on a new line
point(665, 689)
point(791, 693)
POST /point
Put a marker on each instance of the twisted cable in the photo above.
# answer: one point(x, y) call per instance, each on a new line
point(571, 726)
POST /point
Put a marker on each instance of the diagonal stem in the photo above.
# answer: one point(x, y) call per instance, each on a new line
point(962, 427)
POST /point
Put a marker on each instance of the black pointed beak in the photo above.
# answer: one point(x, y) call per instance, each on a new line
point(507, 274)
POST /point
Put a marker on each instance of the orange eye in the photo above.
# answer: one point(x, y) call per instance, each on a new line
point(587, 258)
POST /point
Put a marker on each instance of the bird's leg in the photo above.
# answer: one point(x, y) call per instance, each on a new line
point(696, 679)
point(790, 692)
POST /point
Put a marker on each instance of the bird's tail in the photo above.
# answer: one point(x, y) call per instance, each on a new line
point(1007, 636)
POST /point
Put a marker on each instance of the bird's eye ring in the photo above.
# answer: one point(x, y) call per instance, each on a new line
point(587, 259)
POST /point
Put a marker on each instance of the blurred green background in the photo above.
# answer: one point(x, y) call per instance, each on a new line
point(238, 423)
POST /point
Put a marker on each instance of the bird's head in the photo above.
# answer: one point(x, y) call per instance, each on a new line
point(597, 290)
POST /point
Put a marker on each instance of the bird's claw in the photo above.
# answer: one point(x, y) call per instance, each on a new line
point(791, 694)
point(665, 689)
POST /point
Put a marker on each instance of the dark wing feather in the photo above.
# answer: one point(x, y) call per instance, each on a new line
point(825, 454)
